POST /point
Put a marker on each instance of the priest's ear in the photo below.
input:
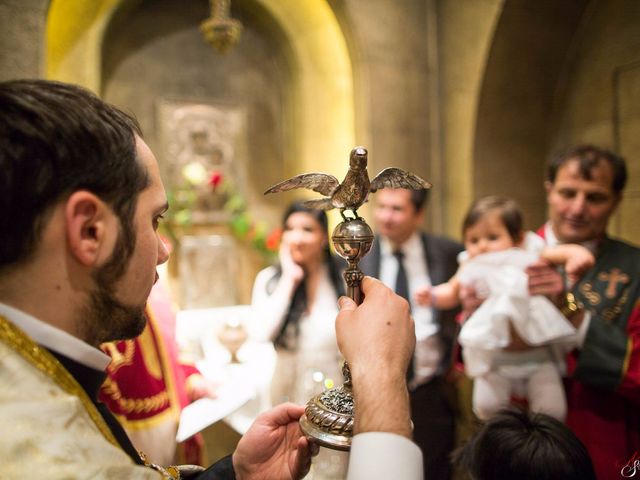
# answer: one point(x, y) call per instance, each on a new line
point(91, 228)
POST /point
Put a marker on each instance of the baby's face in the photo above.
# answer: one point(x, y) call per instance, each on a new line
point(489, 234)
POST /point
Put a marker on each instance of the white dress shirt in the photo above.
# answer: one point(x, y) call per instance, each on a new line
point(55, 339)
point(429, 349)
point(384, 456)
point(316, 349)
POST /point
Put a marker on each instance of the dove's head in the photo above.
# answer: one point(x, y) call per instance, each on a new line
point(358, 158)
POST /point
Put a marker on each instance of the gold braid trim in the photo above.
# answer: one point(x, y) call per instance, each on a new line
point(137, 405)
point(171, 472)
point(169, 374)
point(146, 423)
point(41, 359)
point(49, 365)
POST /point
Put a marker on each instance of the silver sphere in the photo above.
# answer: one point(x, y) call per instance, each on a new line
point(352, 239)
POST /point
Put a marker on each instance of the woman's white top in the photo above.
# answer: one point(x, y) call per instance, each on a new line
point(316, 349)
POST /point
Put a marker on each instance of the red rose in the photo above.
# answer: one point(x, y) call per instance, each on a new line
point(215, 179)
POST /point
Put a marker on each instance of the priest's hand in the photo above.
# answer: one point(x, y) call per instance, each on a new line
point(274, 447)
point(470, 301)
point(377, 339)
point(545, 280)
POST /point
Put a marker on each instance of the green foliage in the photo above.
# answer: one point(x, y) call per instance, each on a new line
point(182, 202)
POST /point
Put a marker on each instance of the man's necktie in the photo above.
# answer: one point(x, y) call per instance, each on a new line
point(402, 284)
point(402, 289)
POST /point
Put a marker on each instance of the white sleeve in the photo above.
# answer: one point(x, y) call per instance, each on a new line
point(581, 334)
point(384, 456)
point(533, 242)
point(268, 310)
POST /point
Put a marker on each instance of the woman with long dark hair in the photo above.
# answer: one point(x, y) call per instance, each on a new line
point(295, 306)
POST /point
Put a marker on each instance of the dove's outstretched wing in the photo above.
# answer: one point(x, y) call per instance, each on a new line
point(319, 204)
point(397, 178)
point(318, 182)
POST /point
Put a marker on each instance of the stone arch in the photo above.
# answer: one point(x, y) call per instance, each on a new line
point(323, 86)
point(524, 72)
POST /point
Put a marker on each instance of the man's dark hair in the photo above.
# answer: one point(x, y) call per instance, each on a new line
point(588, 156)
point(56, 139)
point(508, 210)
point(518, 445)
point(419, 198)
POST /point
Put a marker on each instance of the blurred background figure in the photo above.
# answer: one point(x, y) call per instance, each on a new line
point(147, 386)
point(295, 305)
point(507, 344)
point(407, 259)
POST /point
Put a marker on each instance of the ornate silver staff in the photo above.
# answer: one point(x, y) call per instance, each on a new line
point(328, 417)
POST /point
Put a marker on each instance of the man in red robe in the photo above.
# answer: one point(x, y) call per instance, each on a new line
point(584, 186)
point(147, 386)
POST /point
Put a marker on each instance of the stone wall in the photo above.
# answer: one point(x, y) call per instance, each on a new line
point(387, 43)
point(513, 124)
point(22, 33)
point(515, 80)
point(157, 52)
point(601, 97)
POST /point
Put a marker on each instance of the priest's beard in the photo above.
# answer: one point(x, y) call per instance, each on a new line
point(104, 318)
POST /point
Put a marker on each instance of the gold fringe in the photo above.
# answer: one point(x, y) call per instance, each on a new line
point(137, 405)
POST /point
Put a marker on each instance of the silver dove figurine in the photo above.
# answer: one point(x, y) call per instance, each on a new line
point(354, 189)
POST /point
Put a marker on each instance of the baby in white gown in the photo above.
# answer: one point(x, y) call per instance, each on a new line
point(497, 254)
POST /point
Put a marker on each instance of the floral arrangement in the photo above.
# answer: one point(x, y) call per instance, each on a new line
point(203, 192)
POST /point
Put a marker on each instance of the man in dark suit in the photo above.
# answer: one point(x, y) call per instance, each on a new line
point(407, 259)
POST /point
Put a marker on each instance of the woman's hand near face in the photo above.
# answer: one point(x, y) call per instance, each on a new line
point(290, 269)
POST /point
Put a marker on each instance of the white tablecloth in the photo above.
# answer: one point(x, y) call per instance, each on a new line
point(244, 387)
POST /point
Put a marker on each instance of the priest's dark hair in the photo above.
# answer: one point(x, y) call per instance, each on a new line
point(56, 139)
point(527, 446)
point(588, 156)
point(287, 336)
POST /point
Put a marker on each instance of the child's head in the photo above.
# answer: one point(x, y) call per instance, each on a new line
point(492, 224)
point(526, 446)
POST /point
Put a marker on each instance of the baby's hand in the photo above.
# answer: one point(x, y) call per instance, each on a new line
point(578, 263)
point(423, 296)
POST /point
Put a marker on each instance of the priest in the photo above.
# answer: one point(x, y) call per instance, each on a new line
point(584, 187)
point(81, 200)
